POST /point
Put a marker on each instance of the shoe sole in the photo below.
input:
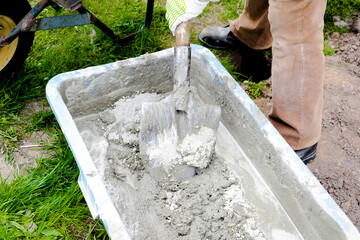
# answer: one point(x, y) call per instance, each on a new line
point(214, 47)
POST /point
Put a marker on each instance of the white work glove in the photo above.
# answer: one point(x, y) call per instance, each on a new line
point(178, 11)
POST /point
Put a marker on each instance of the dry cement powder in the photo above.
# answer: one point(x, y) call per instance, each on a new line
point(210, 205)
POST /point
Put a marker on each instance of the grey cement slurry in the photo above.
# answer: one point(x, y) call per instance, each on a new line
point(211, 205)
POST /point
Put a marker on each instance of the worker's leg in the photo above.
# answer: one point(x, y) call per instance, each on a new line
point(298, 61)
point(253, 27)
point(297, 69)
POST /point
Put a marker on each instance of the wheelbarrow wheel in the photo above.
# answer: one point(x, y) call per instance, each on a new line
point(12, 57)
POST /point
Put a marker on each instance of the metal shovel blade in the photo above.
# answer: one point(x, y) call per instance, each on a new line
point(158, 122)
point(162, 129)
point(201, 114)
point(158, 142)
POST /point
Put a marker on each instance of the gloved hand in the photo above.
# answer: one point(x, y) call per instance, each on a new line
point(178, 11)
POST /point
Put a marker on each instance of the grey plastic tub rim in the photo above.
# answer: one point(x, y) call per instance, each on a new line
point(94, 190)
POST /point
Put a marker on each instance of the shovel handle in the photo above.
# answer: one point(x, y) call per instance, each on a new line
point(182, 34)
point(182, 62)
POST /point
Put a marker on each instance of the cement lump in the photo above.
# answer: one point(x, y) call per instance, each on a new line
point(190, 151)
point(197, 149)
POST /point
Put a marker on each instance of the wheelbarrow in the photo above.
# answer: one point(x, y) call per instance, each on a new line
point(16, 39)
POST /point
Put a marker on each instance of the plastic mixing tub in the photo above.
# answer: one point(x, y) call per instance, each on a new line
point(289, 201)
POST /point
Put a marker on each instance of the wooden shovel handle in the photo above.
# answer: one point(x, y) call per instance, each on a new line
point(182, 34)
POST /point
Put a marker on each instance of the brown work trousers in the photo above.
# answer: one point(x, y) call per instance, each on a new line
point(294, 30)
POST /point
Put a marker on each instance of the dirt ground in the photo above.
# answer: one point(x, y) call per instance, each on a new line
point(30, 147)
point(337, 165)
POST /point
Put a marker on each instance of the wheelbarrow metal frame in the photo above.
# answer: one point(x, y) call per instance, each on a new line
point(30, 24)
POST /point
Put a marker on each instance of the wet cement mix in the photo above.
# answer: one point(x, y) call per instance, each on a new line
point(210, 205)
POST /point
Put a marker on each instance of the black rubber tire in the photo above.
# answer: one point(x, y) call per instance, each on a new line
point(16, 10)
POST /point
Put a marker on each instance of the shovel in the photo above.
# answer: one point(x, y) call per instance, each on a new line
point(178, 133)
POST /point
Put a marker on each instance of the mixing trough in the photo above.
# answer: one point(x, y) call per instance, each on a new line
point(252, 187)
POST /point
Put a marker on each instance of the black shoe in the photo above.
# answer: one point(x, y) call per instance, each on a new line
point(219, 38)
point(249, 62)
point(308, 154)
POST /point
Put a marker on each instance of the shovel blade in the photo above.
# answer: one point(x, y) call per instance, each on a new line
point(163, 127)
point(158, 126)
point(203, 115)
point(158, 120)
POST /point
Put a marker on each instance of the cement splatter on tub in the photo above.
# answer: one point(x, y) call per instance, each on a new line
point(210, 205)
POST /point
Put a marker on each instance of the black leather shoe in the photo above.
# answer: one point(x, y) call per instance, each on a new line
point(219, 38)
point(308, 154)
point(249, 62)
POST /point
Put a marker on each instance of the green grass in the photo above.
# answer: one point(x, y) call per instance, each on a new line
point(342, 8)
point(41, 120)
point(9, 119)
point(9, 139)
point(328, 51)
point(255, 89)
point(47, 203)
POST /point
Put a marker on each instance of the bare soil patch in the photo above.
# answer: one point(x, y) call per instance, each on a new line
point(348, 49)
point(29, 150)
point(30, 147)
